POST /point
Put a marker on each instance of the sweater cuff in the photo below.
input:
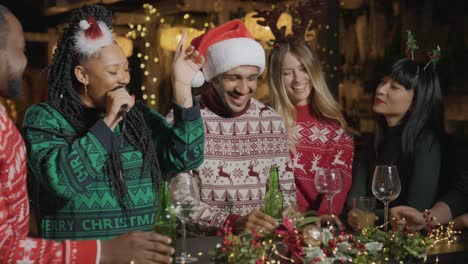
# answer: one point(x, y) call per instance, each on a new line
point(187, 114)
point(106, 136)
point(455, 202)
point(88, 251)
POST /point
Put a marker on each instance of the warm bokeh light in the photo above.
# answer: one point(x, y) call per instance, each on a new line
point(170, 36)
point(126, 45)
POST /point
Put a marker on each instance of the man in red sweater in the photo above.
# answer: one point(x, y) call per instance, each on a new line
point(15, 246)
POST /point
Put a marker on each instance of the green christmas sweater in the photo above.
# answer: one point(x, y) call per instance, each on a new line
point(71, 191)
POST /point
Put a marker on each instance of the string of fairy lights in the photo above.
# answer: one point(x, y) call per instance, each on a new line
point(440, 233)
point(140, 31)
point(149, 57)
point(150, 60)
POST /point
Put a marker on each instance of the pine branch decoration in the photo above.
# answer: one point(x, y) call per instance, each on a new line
point(434, 57)
point(411, 45)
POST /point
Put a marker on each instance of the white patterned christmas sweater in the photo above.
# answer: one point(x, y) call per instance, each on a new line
point(239, 152)
point(321, 145)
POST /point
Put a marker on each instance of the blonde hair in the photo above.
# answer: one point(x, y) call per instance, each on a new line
point(322, 104)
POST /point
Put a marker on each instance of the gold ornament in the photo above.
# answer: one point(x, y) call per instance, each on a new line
point(312, 235)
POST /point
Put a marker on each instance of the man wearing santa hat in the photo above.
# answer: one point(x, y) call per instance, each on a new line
point(243, 137)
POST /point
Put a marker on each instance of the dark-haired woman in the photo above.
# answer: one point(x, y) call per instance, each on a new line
point(95, 176)
point(409, 108)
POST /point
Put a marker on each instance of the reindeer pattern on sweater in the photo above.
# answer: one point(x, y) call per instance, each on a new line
point(239, 152)
point(321, 145)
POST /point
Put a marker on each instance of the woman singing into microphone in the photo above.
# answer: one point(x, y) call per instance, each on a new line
point(89, 180)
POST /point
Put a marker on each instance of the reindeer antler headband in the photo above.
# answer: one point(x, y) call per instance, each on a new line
point(410, 45)
point(305, 11)
point(434, 55)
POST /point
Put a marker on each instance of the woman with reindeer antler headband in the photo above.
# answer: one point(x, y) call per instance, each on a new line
point(318, 134)
point(94, 174)
point(409, 110)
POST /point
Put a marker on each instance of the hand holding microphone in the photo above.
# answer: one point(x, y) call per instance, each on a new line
point(118, 103)
point(123, 108)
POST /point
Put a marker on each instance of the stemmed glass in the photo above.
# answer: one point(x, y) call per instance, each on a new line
point(183, 200)
point(329, 182)
point(386, 187)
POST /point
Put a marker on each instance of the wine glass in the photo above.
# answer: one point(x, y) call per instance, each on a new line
point(183, 200)
point(386, 187)
point(329, 182)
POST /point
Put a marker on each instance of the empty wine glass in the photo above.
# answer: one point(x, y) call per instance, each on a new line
point(183, 200)
point(386, 187)
point(329, 182)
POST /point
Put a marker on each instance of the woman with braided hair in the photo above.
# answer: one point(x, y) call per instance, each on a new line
point(94, 174)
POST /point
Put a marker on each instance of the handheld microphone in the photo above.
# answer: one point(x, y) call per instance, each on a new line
point(123, 111)
point(124, 108)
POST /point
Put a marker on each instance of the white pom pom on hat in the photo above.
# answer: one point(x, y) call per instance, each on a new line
point(92, 37)
point(198, 80)
point(225, 47)
point(84, 25)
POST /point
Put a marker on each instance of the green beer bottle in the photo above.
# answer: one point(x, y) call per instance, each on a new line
point(165, 222)
point(274, 197)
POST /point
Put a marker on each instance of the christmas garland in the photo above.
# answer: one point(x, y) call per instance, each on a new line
point(297, 240)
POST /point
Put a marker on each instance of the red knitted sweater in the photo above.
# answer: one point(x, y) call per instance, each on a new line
point(15, 246)
point(322, 145)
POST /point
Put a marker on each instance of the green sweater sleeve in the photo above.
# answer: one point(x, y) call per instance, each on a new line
point(180, 146)
point(61, 163)
point(360, 177)
point(422, 188)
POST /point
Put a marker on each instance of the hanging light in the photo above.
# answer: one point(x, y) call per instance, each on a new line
point(170, 36)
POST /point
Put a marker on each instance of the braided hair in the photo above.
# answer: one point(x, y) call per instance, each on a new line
point(63, 95)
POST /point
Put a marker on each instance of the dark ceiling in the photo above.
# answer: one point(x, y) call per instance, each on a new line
point(29, 12)
point(54, 12)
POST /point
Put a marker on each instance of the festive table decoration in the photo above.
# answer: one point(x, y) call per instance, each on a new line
point(298, 240)
point(440, 233)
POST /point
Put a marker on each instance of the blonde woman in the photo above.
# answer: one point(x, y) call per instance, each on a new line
point(318, 133)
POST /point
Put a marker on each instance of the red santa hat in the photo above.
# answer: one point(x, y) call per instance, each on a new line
point(92, 36)
point(225, 47)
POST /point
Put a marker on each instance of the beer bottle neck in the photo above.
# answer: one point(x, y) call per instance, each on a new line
point(164, 196)
point(273, 180)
